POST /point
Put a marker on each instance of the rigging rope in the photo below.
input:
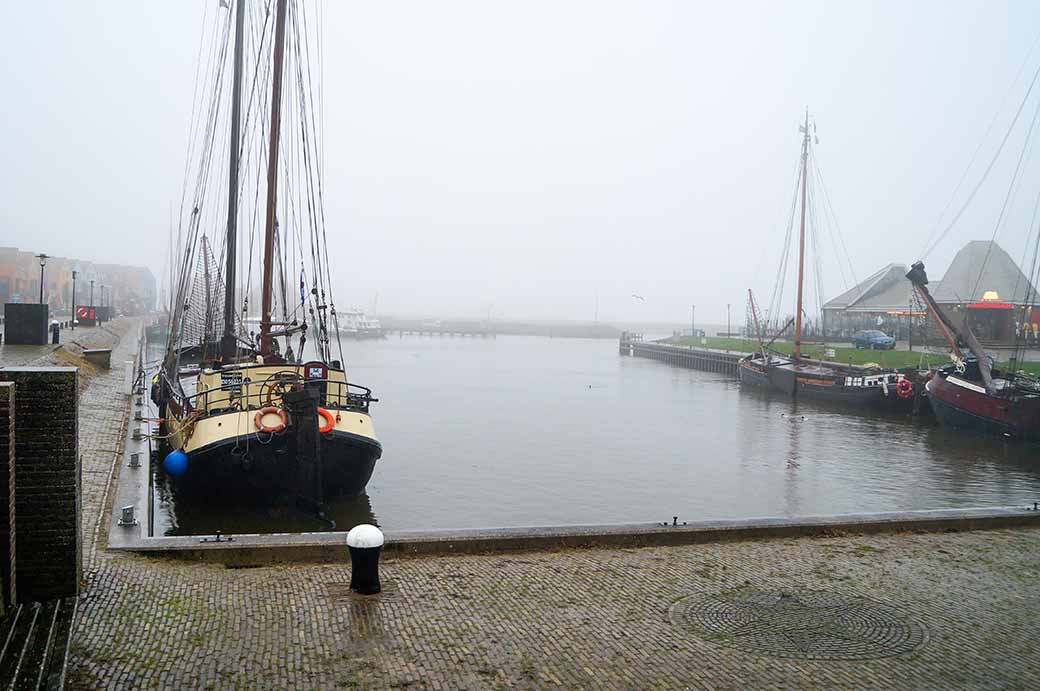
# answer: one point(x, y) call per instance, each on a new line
point(989, 167)
point(1007, 198)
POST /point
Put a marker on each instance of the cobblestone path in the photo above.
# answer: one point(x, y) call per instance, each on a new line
point(574, 619)
point(577, 619)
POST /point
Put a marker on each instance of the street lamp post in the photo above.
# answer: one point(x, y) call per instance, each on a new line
point(43, 261)
point(73, 324)
point(92, 292)
point(693, 321)
point(728, 333)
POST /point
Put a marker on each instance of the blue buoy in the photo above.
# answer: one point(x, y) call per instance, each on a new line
point(175, 463)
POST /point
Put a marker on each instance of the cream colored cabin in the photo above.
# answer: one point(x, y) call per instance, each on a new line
point(224, 403)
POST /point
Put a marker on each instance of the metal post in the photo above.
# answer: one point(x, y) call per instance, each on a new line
point(73, 324)
point(693, 321)
point(728, 332)
point(43, 260)
point(365, 542)
point(92, 292)
point(911, 318)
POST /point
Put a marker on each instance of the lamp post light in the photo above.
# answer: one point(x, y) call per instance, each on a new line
point(43, 262)
point(73, 324)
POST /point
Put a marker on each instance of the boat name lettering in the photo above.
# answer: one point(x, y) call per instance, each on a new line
point(817, 382)
point(231, 379)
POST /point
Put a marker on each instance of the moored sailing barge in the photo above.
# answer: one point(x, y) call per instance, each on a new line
point(824, 381)
point(249, 415)
point(970, 393)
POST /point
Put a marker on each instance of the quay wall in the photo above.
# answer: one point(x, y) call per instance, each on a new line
point(255, 550)
point(706, 359)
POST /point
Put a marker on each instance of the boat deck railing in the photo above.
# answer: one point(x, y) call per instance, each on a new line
point(249, 395)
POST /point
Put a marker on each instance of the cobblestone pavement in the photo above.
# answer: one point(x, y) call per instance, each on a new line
point(573, 619)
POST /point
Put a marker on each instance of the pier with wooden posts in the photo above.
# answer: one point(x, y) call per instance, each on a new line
point(444, 331)
point(706, 359)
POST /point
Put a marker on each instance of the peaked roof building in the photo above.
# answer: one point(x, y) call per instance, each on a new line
point(982, 270)
point(983, 284)
point(887, 290)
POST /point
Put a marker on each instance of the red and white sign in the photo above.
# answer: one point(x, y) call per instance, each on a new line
point(991, 305)
point(84, 312)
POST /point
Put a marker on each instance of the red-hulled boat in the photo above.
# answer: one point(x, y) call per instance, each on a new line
point(969, 393)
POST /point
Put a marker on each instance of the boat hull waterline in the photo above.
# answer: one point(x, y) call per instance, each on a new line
point(815, 383)
point(964, 405)
point(240, 439)
point(243, 468)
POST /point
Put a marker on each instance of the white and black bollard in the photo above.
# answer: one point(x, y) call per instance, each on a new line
point(365, 542)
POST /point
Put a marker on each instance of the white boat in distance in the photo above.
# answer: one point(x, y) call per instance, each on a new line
point(354, 323)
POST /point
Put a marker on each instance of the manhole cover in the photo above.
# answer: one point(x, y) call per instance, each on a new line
point(814, 625)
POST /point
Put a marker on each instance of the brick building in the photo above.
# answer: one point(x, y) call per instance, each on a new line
point(132, 289)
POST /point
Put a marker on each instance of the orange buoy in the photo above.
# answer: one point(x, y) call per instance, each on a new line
point(330, 421)
point(905, 388)
point(258, 420)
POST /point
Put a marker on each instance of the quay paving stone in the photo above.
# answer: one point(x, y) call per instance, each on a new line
point(572, 619)
point(569, 619)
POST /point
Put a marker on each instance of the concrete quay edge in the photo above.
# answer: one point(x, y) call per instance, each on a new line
point(280, 548)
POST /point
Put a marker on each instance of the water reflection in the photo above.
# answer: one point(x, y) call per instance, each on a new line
point(795, 422)
point(177, 516)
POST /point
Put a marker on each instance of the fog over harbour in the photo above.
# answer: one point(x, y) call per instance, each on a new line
point(543, 160)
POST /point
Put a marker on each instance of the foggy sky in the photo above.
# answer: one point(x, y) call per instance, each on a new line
point(527, 157)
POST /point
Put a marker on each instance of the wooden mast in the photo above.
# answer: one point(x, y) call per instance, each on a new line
point(758, 329)
point(228, 342)
point(801, 242)
point(272, 178)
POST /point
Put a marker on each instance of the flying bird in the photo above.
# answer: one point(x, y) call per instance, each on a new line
point(639, 297)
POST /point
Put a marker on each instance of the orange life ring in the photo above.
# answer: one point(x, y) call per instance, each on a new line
point(258, 420)
point(330, 421)
point(905, 388)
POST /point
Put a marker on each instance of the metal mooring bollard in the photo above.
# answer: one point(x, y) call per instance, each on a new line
point(55, 331)
point(365, 542)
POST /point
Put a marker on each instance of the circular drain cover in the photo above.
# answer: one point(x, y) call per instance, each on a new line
point(814, 625)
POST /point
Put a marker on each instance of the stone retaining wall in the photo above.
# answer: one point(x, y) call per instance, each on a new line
point(7, 402)
point(45, 484)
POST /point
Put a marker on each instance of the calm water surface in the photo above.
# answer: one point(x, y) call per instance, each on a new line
point(528, 431)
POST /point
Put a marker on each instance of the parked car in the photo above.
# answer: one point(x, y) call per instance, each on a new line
point(873, 340)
